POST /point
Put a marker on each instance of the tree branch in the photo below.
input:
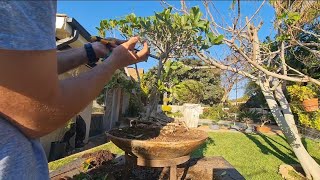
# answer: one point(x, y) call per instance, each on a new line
point(215, 63)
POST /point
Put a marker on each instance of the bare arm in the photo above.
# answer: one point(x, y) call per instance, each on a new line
point(37, 102)
point(72, 58)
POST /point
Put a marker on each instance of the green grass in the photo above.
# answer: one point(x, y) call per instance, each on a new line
point(61, 162)
point(256, 157)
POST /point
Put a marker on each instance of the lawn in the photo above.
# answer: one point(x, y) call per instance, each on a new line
point(254, 156)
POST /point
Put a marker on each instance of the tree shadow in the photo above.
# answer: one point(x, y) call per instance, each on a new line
point(274, 150)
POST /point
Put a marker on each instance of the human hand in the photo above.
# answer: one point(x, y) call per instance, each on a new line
point(100, 48)
point(125, 54)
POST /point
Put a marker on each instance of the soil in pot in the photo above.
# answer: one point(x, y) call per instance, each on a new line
point(169, 133)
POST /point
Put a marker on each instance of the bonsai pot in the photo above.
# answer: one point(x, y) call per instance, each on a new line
point(263, 129)
point(311, 104)
point(149, 149)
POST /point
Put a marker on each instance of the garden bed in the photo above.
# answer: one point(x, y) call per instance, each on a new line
point(104, 165)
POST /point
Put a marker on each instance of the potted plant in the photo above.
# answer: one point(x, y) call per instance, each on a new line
point(262, 128)
point(305, 95)
point(170, 36)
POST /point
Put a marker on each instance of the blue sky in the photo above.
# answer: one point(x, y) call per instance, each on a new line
point(89, 14)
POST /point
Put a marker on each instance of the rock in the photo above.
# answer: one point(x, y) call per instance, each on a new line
point(235, 127)
point(214, 127)
point(285, 169)
point(249, 130)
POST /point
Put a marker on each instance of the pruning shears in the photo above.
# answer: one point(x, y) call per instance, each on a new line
point(109, 43)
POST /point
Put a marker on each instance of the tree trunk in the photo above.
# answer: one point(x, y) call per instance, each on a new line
point(285, 121)
point(154, 96)
point(226, 93)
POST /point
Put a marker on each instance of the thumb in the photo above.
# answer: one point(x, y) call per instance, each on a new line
point(130, 44)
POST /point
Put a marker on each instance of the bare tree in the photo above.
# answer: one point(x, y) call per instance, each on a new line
point(265, 66)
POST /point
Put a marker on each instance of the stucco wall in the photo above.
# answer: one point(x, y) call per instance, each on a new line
point(86, 115)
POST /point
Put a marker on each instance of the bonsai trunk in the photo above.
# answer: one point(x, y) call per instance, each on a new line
point(285, 120)
point(154, 97)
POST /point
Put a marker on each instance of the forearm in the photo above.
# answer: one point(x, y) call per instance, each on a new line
point(75, 94)
point(72, 58)
point(37, 102)
point(36, 118)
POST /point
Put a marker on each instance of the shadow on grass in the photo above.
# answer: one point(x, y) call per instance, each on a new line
point(203, 148)
point(274, 150)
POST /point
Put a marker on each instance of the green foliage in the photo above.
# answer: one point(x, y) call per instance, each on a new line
point(189, 91)
point(256, 98)
point(300, 93)
point(297, 95)
point(214, 113)
point(167, 80)
point(118, 80)
point(148, 80)
point(166, 108)
point(168, 32)
point(233, 109)
point(135, 107)
point(311, 119)
point(177, 114)
point(289, 17)
point(209, 78)
point(255, 116)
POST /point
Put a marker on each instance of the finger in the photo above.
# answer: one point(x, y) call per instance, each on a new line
point(131, 43)
point(114, 41)
point(144, 52)
point(119, 41)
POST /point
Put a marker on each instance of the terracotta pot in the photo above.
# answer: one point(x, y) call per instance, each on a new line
point(311, 104)
point(263, 129)
point(158, 150)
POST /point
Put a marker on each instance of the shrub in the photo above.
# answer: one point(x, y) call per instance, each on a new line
point(300, 93)
point(311, 119)
point(189, 91)
point(166, 108)
point(177, 114)
point(255, 116)
point(135, 107)
point(234, 109)
point(214, 113)
point(297, 95)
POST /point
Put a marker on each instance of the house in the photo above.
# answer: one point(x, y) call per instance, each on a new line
point(132, 72)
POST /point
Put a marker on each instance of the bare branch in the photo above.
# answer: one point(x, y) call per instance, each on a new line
point(255, 13)
point(280, 76)
point(215, 63)
point(307, 32)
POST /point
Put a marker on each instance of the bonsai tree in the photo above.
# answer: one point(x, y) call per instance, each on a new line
point(170, 36)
